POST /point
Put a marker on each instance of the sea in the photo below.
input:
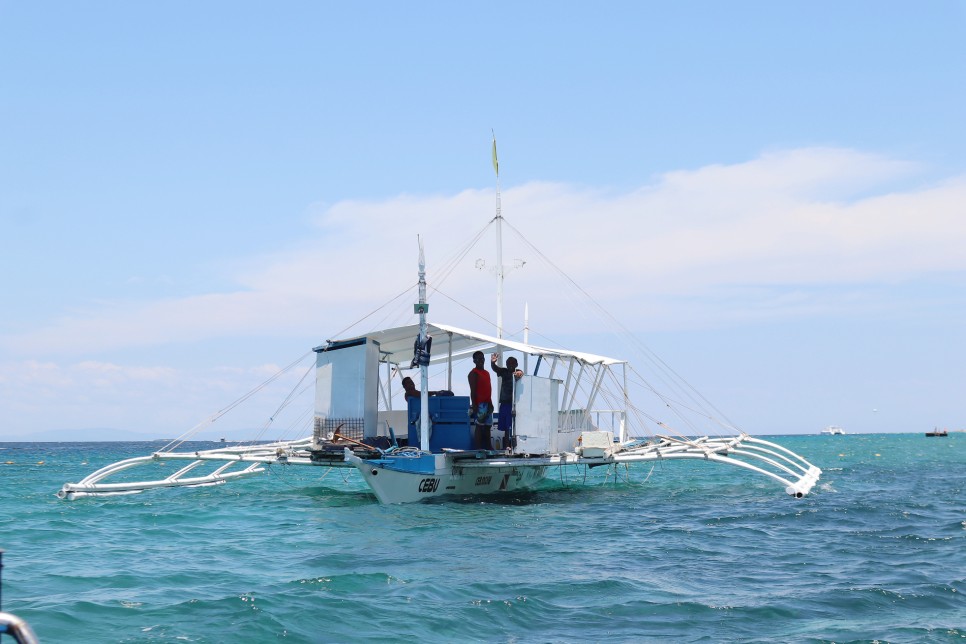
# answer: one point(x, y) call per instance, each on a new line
point(674, 552)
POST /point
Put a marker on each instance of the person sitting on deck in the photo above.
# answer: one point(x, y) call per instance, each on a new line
point(507, 375)
point(409, 388)
point(410, 391)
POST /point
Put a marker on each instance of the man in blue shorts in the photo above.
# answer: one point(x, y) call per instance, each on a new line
point(507, 375)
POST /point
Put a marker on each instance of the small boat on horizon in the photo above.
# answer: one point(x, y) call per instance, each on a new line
point(833, 430)
point(937, 432)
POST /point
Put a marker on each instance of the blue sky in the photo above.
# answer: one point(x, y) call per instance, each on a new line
point(772, 196)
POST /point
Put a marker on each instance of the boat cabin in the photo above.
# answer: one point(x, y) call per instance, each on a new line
point(357, 379)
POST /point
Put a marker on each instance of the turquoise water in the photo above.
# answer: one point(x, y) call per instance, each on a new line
point(688, 552)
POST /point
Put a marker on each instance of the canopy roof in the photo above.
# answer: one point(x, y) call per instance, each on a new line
point(396, 345)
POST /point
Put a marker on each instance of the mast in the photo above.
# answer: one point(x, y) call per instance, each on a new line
point(423, 356)
point(499, 247)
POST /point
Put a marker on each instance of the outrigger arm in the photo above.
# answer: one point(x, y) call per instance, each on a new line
point(797, 475)
point(793, 472)
point(252, 457)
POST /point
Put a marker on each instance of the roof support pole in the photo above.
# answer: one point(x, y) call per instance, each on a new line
point(573, 392)
point(627, 404)
point(449, 363)
point(593, 391)
point(570, 372)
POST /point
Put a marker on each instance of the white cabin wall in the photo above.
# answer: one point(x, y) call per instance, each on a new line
point(537, 405)
point(347, 391)
point(370, 401)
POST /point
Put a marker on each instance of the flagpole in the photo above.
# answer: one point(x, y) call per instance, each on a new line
point(499, 247)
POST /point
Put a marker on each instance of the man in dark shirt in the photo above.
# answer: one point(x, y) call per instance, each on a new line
point(507, 375)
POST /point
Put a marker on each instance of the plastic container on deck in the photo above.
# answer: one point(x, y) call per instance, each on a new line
point(449, 423)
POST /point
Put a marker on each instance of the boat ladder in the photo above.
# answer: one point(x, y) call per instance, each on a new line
point(12, 625)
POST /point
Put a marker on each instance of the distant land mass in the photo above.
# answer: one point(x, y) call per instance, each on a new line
point(95, 434)
point(110, 434)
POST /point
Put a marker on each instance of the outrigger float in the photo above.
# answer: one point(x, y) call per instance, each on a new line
point(571, 411)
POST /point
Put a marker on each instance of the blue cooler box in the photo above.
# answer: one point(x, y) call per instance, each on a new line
point(449, 423)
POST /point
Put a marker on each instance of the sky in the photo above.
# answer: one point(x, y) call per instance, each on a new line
point(770, 195)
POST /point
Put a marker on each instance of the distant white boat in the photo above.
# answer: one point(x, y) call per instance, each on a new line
point(833, 430)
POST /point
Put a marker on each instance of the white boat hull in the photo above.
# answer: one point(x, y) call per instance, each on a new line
point(410, 480)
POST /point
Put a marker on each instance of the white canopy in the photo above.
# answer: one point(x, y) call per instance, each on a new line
point(396, 345)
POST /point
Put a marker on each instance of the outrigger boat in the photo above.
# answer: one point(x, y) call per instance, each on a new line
point(425, 452)
point(571, 412)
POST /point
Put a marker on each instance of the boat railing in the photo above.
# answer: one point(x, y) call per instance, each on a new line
point(17, 628)
point(12, 625)
point(612, 420)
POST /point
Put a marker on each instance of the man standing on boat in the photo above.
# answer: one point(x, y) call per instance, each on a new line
point(507, 375)
point(481, 401)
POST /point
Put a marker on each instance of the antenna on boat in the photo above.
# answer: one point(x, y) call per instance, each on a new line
point(499, 246)
point(421, 354)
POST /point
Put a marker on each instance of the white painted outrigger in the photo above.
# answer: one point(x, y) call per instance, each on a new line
point(230, 463)
point(404, 475)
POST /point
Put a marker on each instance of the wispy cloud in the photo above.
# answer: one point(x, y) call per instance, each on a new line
point(49, 395)
point(731, 234)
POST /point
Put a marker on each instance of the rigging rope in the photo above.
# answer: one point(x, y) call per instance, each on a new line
point(670, 377)
point(214, 417)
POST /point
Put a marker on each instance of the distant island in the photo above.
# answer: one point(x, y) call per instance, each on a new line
point(99, 434)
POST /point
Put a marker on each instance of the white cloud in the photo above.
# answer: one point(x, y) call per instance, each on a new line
point(159, 401)
point(800, 218)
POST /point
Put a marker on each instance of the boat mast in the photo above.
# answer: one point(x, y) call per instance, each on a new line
point(499, 247)
point(421, 309)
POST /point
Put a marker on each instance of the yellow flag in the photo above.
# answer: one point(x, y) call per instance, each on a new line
point(496, 164)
